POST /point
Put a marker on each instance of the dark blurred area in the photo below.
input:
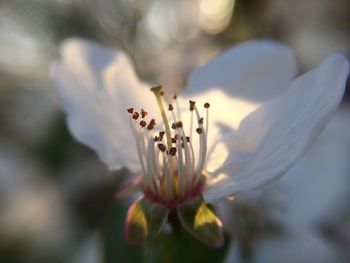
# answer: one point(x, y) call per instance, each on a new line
point(56, 197)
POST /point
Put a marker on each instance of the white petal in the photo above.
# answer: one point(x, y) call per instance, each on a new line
point(256, 70)
point(96, 85)
point(274, 136)
point(224, 110)
point(318, 183)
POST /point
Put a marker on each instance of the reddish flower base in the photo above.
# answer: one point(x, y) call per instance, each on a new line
point(171, 204)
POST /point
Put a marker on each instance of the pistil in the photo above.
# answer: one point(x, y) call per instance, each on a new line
point(157, 92)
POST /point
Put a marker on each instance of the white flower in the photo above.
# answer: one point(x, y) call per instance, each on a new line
point(259, 122)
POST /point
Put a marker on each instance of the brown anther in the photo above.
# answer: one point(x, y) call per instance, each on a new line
point(173, 126)
point(179, 124)
point(161, 147)
point(206, 105)
point(135, 115)
point(143, 123)
point(187, 139)
point(156, 138)
point(130, 110)
point(161, 135)
point(173, 140)
point(161, 93)
point(199, 130)
point(176, 137)
point(172, 151)
point(170, 107)
point(151, 124)
point(175, 97)
point(182, 145)
point(192, 103)
point(200, 121)
point(143, 113)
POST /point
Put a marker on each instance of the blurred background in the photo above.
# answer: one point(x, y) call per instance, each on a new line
point(57, 199)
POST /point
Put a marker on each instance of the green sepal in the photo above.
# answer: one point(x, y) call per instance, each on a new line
point(144, 220)
point(201, 221)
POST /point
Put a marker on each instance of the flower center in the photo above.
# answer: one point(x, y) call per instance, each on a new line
point(171, 165)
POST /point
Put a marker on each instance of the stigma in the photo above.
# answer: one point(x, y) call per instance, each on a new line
point(172, 164)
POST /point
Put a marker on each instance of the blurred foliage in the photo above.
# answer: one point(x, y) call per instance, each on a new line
point(56, 147)
point(252, 225)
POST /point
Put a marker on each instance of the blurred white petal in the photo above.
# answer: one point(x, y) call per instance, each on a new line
point(273, 137)
point(96, 86)
point(318, 182)
point(256, 70)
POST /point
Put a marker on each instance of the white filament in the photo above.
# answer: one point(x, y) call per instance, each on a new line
point(161, 167)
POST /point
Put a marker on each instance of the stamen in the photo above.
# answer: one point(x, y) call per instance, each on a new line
point(130, 110)
point(192, 103)
point(191, 123)
point(143, 123)
point(167, 178)
point(143, 113)
point(150, 127)
point(180, 168)
point(152, 167)
point(188, 158)
point(172, 151)
point(177, 107)
point(193, 174)
point(161, 147)
point(161, 135)
point(170, 107)
point(206, 106)
point(138, 145)
point(135, 115)
point(202, 149)
point(151, 124)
